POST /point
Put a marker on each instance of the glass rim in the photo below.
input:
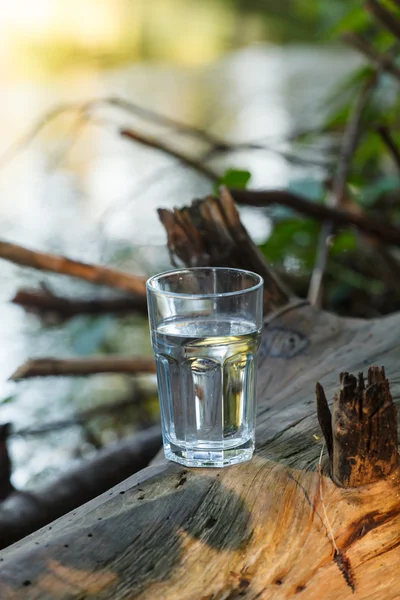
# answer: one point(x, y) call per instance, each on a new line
point(253, 288)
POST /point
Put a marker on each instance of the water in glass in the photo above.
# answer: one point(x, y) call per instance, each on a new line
point(206, 374)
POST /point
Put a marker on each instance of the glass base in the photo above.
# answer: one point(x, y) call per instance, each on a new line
point(209, 457)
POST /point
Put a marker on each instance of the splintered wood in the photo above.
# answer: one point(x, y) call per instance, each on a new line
point(210, 233)
point(361, 435)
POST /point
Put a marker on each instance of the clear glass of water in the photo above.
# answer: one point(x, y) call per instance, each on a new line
point(205, 330)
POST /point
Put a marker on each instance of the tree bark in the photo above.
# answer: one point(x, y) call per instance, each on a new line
point(274, 528)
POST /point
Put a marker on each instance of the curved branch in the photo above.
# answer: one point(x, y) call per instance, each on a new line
point(389, 142)
point(383, 61)
point(349, 144)
point(389, 234)
point(384, 17)
point(156, 144)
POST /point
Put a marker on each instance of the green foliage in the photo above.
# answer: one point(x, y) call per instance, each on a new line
point(349, 17)
point(292, 241)
point(373, 180)
point(345, 241)
point(234, 178)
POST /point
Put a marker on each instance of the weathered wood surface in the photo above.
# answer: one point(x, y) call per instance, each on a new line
point(256, 530)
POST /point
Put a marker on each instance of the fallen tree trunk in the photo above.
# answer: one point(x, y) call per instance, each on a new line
point(277, 527)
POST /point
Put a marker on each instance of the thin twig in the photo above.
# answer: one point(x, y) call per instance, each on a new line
point(327, 522)
point(383, 61)
point(28, 137)
point(156, 144)
point(46, 303)
point(387, 233)
point(389, 142)
point(65, 266)
point(339, 556)
point(349, 143)
point(159, 119)
point(216, 145)
point(384, 17)
point(49, 367)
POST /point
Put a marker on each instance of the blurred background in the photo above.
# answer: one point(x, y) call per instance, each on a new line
point(273, 72)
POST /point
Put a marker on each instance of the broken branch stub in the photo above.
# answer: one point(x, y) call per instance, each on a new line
point(364, 429)
point(209, 233)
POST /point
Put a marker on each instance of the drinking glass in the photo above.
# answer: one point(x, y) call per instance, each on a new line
point(205, 331)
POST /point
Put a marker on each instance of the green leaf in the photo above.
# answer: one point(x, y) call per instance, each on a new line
point(343, 242)
point(357, 19)
point(234, 178)
point(292, 238)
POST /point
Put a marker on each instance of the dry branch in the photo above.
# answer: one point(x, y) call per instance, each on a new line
point(384, 16)
point(389, 142)
point(349, 143)
point(45, 303)
point(65, 266)
point(24, 512)
point(386, 232)
point(49, 367)
point(216, 145)
point(383, 61)
point(156, 144)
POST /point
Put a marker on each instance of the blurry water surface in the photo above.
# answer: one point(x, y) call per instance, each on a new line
point(77, 188)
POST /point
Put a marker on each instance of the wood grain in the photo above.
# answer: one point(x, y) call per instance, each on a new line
point(256, 530)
